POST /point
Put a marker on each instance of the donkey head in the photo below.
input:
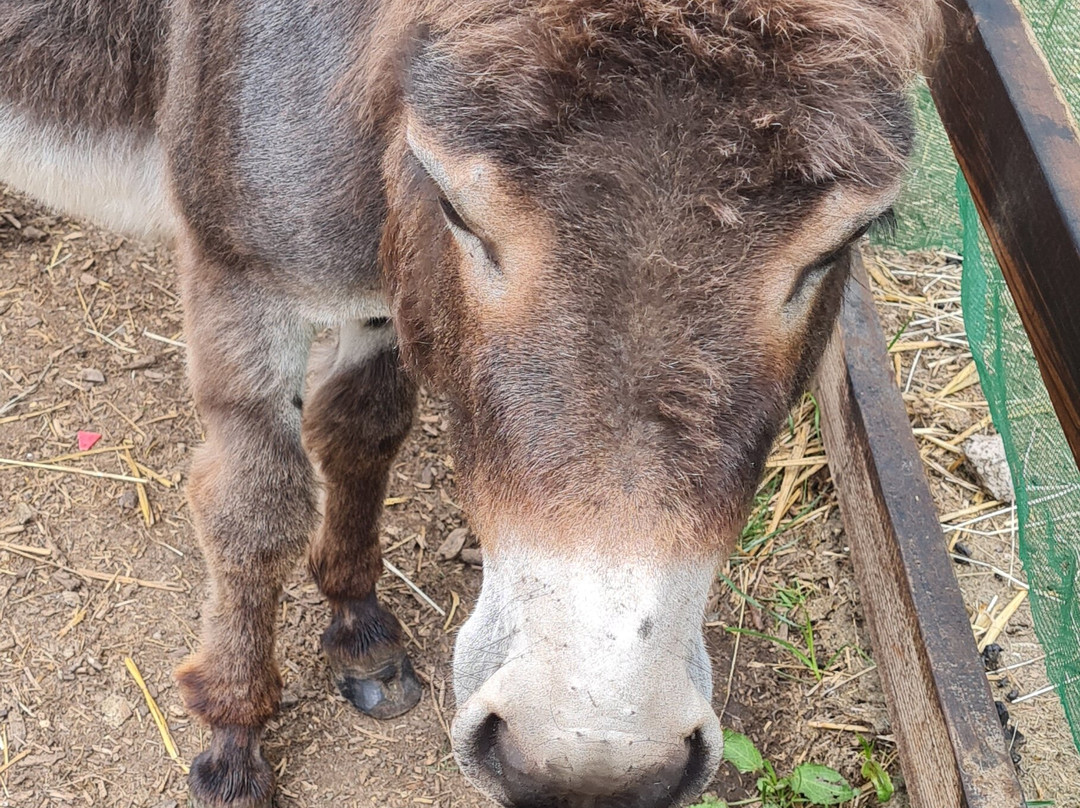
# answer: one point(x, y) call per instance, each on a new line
point(617, 238)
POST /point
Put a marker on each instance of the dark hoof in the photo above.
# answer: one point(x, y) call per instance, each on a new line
point(387, 692)
point(230, 776)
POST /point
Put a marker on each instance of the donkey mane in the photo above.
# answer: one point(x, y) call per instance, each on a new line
point(818, 82)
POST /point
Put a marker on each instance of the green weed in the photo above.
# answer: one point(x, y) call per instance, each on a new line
point(875, 773)
point(792, 599)
point(808, 784)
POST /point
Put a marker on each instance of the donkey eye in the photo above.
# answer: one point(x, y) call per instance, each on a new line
point(453, 218)
point(811, 276)
point(466, 236)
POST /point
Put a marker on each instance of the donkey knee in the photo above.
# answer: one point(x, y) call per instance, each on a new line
point(253, 497)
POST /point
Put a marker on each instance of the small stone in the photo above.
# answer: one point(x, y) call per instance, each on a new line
point(472, 555)
point(290, 697)
point(114, 710)
point(86, 279)
point(961, 549)
point(453, 544)
point(986, 453)
point(33, 233)
point(22, 513)
point(128, 500)
point(71, 583)
point(1003, 713)
point(16, 731)
point(92, 375)
point(1014, 737)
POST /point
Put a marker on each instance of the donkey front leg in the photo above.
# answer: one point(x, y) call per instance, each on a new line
point(353, 426)
point(252, 493)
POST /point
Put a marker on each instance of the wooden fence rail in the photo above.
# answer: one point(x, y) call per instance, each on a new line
point(1019, 147)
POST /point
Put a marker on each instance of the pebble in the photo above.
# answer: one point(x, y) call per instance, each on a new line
point(22, 513)
point(114, 710)
point(453, 544)
point(986, 453)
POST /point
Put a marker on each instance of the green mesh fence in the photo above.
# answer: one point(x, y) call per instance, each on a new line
point(1044, 477)
point(936, 210)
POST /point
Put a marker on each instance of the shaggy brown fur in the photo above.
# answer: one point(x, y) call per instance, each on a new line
point(664, 169)
point(714, 126)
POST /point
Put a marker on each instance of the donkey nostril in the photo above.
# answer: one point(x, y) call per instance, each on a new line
point(697, 761)
point(486, 740)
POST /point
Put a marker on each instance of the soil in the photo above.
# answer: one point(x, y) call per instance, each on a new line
point(91, 339)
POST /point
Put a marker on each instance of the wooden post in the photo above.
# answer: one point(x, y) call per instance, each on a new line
point(952, 749)
point(1019, 147)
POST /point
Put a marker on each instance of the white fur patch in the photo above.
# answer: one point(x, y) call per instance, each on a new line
point(596, 665)
point(116, 180)
point(358, 341)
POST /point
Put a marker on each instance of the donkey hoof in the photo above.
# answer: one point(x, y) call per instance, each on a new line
point(230, 781)
point(387, 692)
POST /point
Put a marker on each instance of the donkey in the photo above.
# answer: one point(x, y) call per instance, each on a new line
point(613, 233)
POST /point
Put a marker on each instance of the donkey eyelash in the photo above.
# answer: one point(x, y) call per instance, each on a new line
point(457, 222)
point(886, 221)
point(453, 217)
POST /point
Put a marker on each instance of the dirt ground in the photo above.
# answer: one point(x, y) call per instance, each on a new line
point(91, 339)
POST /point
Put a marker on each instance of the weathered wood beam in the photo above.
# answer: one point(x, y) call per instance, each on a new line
point(952, 749)
point(1019, 147)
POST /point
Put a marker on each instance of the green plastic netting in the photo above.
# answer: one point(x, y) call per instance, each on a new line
point(936, 210)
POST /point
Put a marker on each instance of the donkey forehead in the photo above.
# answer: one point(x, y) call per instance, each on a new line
point(745, 122)
point(636, 195)
point(677, 172)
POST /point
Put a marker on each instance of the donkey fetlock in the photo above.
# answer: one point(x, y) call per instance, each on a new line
point(370, 666)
